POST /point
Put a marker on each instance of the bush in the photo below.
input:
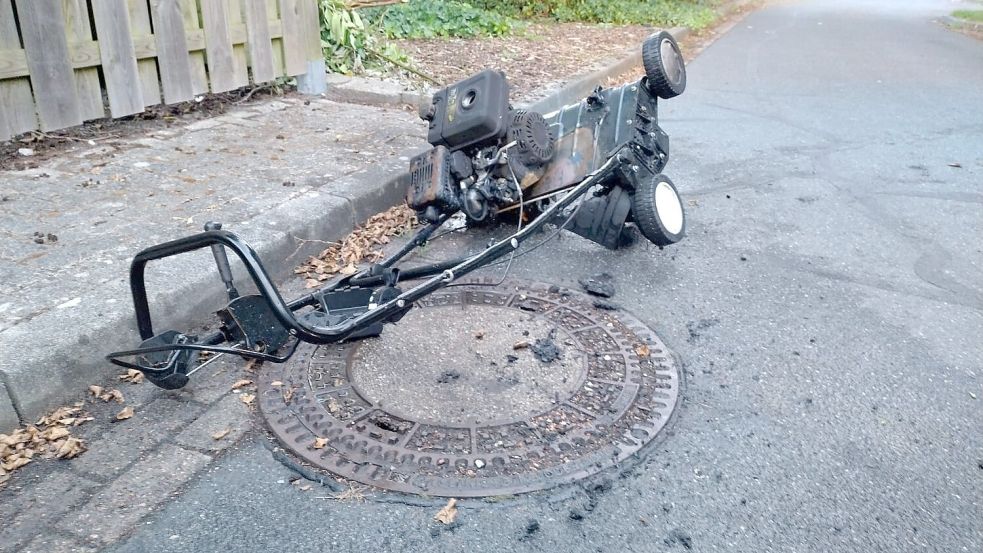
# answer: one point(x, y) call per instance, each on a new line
point(348, 44)
point(438, 18)
point(669, 13)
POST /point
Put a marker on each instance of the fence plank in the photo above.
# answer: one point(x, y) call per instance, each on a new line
point(237, 27)
point(258, 41)
point(52, 76)
point(192, 28)
point(79, 31)
point(312, 29)
point(16, 102)
point(142, 32)
point(276, 34)
point(172, 51)
point(119, 61)
point(291, 13)
point(218, 45)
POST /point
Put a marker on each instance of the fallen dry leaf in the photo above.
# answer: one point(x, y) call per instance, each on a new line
point(333, 406)
point(520, 345)
point(106, 395)
point(448, 513)
point(55, 433)
point(70, 448)
point(241, 383)
point(276, 383)
point(221, 434)
point(642, 350)
point(301, 485)
point(112, 395)
point(288, 394)
point(15, 463)
point(319, 443)
point(126, 413)
point(248, 399)
point(132, 376)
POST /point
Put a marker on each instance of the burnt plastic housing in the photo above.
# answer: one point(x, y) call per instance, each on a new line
point(470, 112)
point(430, 181)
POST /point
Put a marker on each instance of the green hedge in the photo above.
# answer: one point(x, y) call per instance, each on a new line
point(669, 13)
point(438, 18)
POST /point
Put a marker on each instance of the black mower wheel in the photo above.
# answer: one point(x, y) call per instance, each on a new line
point(664, 65)
point(658, 212)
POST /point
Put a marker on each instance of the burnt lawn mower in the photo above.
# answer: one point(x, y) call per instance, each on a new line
point(593, 168)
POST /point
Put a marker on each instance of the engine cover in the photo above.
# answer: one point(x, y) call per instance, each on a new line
point(470, 112)
point(431, 182)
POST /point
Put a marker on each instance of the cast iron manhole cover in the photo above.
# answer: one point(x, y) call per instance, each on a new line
point(467, 397)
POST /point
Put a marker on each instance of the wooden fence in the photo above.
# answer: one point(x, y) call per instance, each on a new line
point(63, 62)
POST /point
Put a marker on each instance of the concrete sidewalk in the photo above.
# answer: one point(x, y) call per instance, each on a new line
point(286, 174)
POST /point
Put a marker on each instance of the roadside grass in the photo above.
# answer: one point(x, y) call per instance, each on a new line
point(969, 15)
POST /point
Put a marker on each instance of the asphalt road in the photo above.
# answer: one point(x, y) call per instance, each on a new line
point(827, 306)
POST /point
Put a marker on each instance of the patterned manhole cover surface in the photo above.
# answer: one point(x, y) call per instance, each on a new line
point(478, 391)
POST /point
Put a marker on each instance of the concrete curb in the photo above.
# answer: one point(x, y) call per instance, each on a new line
point(8, 416)
point(957, 23)
point(371, 92)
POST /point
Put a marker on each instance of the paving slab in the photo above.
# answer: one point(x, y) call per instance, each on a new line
point(48, 499)
point(112, 512)
point(127, 440)
point(302, 171)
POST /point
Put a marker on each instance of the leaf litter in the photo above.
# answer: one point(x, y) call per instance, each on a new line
point(364, 244)
point(354, 494)
point(48, 438)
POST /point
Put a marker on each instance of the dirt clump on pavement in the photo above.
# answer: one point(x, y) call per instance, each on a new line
point(601, 284)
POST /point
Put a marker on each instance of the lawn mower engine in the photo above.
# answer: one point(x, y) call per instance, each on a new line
point(482, 148)
point(489, 158)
